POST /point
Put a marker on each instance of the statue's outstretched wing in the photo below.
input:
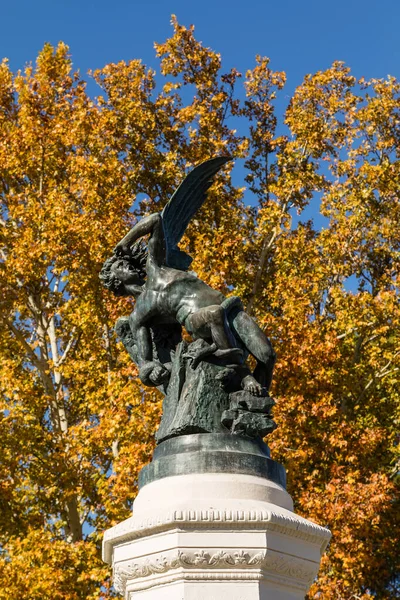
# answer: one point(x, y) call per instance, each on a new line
point(183, 205)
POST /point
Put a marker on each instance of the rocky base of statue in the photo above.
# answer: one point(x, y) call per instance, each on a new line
point(203, 392)
point(213, 520)
point(249, 415)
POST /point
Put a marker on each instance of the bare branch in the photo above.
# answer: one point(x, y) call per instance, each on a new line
point(388, 372)
point(39, 364)
point(57, 283)
point(353, 329)
point(382, 373)
point(335, 281)
point(71, 344)
point(115, 448)
point(267, 245)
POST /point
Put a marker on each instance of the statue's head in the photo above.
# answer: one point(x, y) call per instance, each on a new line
point(125, 275)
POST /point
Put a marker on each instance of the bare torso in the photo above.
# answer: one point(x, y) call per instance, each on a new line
point(172, 295)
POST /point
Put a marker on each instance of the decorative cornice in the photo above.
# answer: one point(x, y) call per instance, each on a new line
point(296, 527)
point(205, 562)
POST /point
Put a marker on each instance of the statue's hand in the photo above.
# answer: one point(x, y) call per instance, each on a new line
point(159, 375)
point(121, 249)
point(153, 373)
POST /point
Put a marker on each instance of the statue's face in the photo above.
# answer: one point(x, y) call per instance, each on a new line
point(126, 273)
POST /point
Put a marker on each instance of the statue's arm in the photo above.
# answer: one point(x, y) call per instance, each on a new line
point(148, 225)
point(151, 371)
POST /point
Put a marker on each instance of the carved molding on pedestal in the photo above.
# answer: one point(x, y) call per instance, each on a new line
point(254, 519)
point(300, 570)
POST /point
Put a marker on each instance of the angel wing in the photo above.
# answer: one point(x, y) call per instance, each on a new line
point(183, 205)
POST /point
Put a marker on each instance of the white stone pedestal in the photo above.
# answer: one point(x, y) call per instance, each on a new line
point(213, 536)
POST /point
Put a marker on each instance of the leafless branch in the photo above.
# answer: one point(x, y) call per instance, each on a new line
point(28, 349)
point(382, 373)
point(266, 247)
point(353, 329)
point(71, 344)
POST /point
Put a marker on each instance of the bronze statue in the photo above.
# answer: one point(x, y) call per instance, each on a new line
point(169, 297)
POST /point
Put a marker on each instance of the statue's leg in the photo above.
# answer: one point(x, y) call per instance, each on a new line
point(220, 331)
point(257, 344)
point(211, 322)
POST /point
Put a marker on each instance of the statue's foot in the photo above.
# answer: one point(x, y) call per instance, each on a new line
point(197, 355)
point(234, 355)
point(249, 384)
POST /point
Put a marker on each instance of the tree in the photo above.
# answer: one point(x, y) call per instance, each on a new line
point(76, 426)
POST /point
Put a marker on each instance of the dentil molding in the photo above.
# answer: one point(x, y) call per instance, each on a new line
point(295, 526)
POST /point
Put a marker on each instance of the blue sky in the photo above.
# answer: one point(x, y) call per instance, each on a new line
point(299, 36)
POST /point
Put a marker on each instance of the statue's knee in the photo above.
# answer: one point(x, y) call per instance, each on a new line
point(216, 314)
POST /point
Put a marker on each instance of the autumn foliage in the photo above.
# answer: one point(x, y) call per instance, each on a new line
point(75, 425)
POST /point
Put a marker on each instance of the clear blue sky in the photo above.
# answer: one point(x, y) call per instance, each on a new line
point(300, 36)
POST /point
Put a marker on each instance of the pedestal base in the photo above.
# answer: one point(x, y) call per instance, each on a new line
point(214, 536)
point(217, 590)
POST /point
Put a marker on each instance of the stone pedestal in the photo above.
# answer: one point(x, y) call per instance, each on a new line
point(223, 535)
